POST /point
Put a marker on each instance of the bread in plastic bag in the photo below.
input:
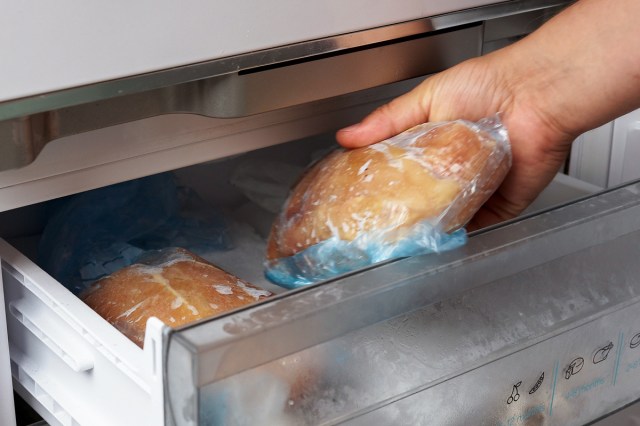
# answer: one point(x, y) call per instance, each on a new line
point(408, 195)
point(95, 233)
point(171, 284)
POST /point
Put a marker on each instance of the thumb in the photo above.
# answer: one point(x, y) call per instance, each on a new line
point(388, 120)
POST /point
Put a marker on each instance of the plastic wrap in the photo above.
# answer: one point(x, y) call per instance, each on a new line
point(96, 233)
point(172, 285)
point(408, 195)
point(265, 182)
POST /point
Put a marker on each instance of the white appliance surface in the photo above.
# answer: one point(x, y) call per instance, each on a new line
point(625, 149)
point(80, 43)
point(7, 415)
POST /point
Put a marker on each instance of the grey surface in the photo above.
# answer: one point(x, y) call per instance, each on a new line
point(628, 416)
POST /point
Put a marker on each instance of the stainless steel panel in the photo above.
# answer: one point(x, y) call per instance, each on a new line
point(444, 338)
point(251, 92)
point(219, 89)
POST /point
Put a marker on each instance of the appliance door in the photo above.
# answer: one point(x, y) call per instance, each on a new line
point(537, 320)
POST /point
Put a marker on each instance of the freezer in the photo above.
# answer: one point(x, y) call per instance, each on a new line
point(534, 321)
point(536, 318)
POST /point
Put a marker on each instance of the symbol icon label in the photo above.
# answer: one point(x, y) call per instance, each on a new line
point(635, 341)
point(515, 395)
point(537, 385)
point(574, 367)
point(602, 353)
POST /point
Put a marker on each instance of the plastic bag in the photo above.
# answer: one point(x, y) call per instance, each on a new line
point(95, 233)
point(173, 285)
point(265, 182)
point(408, 195)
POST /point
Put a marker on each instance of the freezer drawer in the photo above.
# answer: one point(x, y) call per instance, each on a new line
point(391, 341)
point(533, 321)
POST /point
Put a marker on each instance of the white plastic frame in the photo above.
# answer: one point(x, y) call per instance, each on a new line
point(71, 365)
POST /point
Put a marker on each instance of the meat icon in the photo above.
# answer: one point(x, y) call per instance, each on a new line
point(602, 353)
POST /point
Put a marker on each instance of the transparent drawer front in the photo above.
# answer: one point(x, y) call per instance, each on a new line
point(427, 334)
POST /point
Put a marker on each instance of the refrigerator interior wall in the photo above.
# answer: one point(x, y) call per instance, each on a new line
point(625, 149)
point(609, 155)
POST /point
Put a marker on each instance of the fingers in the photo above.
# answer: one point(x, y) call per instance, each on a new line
point(400, 114)
point(497, 209)
point(534, 167)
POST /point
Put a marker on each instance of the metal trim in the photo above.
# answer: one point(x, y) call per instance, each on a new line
point(144, 82)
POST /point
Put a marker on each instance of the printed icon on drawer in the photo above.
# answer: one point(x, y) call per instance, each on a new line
point(635, 341)
point(537, 385)
point(515, 395)
point(574, 367)
point(602, 353)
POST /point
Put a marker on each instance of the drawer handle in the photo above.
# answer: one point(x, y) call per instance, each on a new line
point(53, 332)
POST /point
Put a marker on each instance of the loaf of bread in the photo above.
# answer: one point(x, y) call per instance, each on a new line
point(438, 174)
point(173, 285)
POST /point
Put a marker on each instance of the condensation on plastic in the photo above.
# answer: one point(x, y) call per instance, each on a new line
point(96, 233)
point(279, 392)
point(334, 256)
point(246, 399)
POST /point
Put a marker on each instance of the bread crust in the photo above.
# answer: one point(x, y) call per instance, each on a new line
point(442, 175)
point(180, 290)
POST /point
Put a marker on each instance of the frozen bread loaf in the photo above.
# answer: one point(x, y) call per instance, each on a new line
point(433, 174)
point(173, 285)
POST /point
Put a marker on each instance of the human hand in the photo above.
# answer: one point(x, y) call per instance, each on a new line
point(472, 90)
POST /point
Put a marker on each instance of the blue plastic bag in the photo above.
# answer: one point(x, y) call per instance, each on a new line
point(93, 234)
point(334, 257)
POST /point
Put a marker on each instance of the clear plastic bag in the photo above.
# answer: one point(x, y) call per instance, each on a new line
point(173, 285)
point(408, 195)
point(265, 182)
point(95, 233)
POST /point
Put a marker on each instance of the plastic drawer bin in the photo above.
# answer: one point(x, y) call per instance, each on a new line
point(443, 339)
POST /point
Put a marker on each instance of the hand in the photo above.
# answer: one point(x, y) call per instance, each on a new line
point(560, 81)
point(472, 90)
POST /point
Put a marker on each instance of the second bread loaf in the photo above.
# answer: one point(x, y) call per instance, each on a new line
point(173, 285)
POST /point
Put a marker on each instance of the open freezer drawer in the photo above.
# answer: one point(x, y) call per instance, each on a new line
point(75, 368)
point(533, 321)
point(396, 338)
